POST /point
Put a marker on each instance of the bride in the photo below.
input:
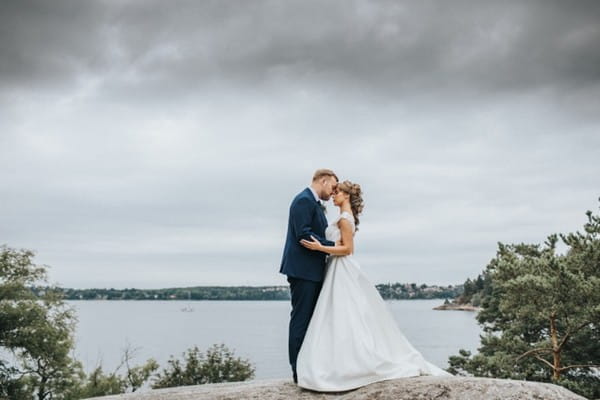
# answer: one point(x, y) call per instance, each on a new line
point(352, 339)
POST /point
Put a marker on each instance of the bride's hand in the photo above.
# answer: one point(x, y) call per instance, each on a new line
point(312, 245)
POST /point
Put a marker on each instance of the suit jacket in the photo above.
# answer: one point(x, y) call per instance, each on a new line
point(306, 219)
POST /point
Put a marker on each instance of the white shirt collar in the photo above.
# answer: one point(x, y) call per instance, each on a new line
point(314, 194)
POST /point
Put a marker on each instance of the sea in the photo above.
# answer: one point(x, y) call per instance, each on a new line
point(253, 330)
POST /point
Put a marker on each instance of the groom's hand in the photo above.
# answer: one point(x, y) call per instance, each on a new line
point(338, 242)
point(314, 244)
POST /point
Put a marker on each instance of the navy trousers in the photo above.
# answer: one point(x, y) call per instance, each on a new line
point(304, 298)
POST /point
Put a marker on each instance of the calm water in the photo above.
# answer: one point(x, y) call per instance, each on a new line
point(256, 330)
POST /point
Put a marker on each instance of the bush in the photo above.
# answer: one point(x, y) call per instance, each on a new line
point(217, 365)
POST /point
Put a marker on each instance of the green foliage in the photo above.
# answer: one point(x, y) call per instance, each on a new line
point(217, 365)
point(540, 313)
point(38, 331)
point(37, 328)
point(475, 290)
point(398, 291)
point(98, 383)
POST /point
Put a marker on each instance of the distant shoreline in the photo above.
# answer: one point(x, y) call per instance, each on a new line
point(388, 291)
point(196, 300)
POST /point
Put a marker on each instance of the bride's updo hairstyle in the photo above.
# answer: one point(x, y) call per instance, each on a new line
point(356, 201)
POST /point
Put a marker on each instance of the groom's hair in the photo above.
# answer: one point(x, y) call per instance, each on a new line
point(324, 172)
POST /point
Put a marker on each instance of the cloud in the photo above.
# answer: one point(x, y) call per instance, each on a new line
point(381, 48)
point(153, 143)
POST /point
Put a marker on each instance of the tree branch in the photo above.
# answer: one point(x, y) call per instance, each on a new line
point(545, 361)
point(583, 325)
point(580, 366)
point(539, 350)
point(571, 332)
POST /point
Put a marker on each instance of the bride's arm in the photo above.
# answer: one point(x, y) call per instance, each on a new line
point(343, 249)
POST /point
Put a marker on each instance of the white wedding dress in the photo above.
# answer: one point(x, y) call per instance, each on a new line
point(352, 338)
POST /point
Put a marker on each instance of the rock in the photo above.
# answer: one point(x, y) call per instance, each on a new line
point(459, 307)
point(414, 388)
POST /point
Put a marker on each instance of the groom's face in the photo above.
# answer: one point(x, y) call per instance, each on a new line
point(329, 187)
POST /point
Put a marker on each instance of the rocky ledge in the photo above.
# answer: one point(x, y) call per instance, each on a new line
point(459, 307)
point(415, 388)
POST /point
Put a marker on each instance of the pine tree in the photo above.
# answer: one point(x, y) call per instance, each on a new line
point(541, 313)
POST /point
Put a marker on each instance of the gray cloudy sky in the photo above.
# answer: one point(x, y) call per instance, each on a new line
point(156, 144)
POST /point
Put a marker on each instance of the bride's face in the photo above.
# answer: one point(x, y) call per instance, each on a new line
point(339, 197)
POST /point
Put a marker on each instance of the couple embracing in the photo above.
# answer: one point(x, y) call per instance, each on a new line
point(341, 334)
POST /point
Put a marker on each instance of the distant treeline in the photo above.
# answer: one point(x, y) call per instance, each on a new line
point(399, 291)
point(387, 291)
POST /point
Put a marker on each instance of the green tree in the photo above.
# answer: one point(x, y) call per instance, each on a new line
point(218, 365)
point(541, 313)
point(36, 330)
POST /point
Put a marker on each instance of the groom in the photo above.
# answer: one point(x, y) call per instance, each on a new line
point(305, 268)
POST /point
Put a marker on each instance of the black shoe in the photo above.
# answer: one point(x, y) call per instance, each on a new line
point(295, 378)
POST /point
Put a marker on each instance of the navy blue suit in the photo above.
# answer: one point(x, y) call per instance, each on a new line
point(304, 268)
